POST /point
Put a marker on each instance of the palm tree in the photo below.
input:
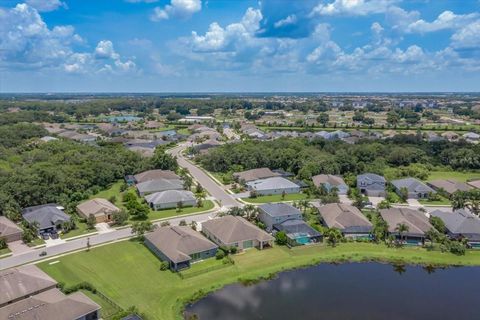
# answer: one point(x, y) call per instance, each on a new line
point(250, 212)
point(304, 204)
point(200, 198)
point(333, 235)
point(401, 228)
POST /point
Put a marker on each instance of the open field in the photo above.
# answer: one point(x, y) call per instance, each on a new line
point(276, 198)
point(459, 176)
point(128, 266)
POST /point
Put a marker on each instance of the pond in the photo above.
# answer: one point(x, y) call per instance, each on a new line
point(350, 291)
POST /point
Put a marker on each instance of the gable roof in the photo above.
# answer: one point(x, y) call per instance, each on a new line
point(7, 227)
point(230, 229)
point(345, 217)
point(97, 206)
point(373, 177)
point(46, 215)
point(272, 183)
point(178, 243)
point(416, 221)
point(328, 178)
point(23, 281)
point(51, 304)
point(279, 209)
point(154, 175)
point(255, 174)
point(296, 226)
point(412, 185)
point(170, 196)
point(450, 186)
point(159, 185)
point(460, 222)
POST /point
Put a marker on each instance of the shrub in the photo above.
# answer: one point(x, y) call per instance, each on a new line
point(164, 266)
point(220, 255)
point(233, 250)
point(281, 238)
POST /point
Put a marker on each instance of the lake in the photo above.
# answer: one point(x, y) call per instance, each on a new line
point(350, 291)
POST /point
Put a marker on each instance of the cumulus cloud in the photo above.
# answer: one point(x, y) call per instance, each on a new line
point(446, 20)
point(46, 5)
point(289, 20)
point(467, 36)
point(352, 7)
point(177, 9)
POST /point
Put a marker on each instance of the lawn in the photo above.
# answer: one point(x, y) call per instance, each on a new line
point(36, 242)
point(459, 176)
point(80, 230)
point(121, 268)
point(112, 191)
point(4, 251)
point(162, 214)
point(442, 202)
point(276, 198)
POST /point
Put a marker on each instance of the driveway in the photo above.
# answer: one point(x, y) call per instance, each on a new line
point(54, 242)
point(103, 227)
point(414, 203)
point(18, 247)
point(344, 199)
point(375, 200)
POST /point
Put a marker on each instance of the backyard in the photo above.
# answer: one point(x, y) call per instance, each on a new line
point(277, 198)
point(128, 266)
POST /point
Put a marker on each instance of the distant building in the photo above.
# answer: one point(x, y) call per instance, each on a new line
point(416, 222)
point(197, 119)
point(101, 209)
point(48, 217)
point(275, 213)
point(371, 184)
point(449, 186)
point(254, 174)
point(158, 185)
point(170, 199)
point(329, 182)
point(154, 175)
point(461, 224)
point(275, 185)
point(416, 189)
point(9, 230)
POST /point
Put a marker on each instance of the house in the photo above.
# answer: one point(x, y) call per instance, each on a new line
point(298, 232)
point(233, 231)
point(329, 182)
point(170, 199)
point(472, 137)
point(416, 188)
point(449, 135)
point(460, 224)
point(254, 174)
point(276, 185)
point(371, 184)
point(158, 185)
point(449, 186)
point(416, 221)
point(155, 175)
point(179, 246)
point(49, 217)
point(275, 213)
point(9, 230)
point(101, 209)
point(348, 219)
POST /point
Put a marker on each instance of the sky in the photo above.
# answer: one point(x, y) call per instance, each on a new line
point(239, 45)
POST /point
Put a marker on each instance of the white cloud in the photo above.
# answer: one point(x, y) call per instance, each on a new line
point(46, 5)
point(376, 28)
point(352, 7)
point(468, 36)
point(177, 9)
point(289, 20)
point(104, 50)
point(446, 20)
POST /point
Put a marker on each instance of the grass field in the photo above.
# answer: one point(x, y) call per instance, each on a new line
point(441, 202)
point(459, 176)
point(154, 215)
point(276, 198)
point(4, 251)
point(127, 267)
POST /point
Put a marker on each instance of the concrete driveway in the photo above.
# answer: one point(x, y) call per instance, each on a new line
point(18, 247)
point(375, 200)
point(344, 199)
point(414, 203)
point(103, 227)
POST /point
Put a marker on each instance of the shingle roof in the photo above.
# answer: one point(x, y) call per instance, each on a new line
point(271, 183)
point(154, 175)
point(170, 196)
point(7, 227)
point(327, 178)
point(160, 185)
point(460, 222)
point(474, 183)
point(296, 226)
point(51, 304)
point(372, 177)
point(178, 243)
point(255, 174)
point(97, 206)
point(416, 221)
point(279, 209)
point(46, 215)
point(345, 217)
point(23, 281)
point(230, 229)
point(412, 185)
point(450, 186)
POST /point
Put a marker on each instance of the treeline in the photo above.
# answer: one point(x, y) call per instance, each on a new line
point(400, 156)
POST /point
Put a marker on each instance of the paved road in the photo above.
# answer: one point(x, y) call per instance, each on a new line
point(225, 198)
point(77, 244)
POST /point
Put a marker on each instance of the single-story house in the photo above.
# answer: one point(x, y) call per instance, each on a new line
point(9, 230)
point(416, 188)
point(275, 213)
point(471, 137)
point(49, 217)
point(348, 219)
point(330, 181)
point(449, 186)
point(179, 246)
point(416, 221)
point(298, 232)
point(170, 199)
point(461, 224)
point(233, 231)
point(276, 185)
point(155, 175)
point(254, 174)
point(371, 184)
point(158, 185)
point(101, 209)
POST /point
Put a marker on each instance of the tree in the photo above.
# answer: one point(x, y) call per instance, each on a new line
point(333, 235)
point(283, 194)
point(199, 188)
point(323, 118)
point(119, 217)
point(304, 205)
point(3, 243)
point(187, 182)
point(179, 206)
point(380, 228)
point(30, 231)
point(438, 224)
point(253, 194)
point(467, 199)
point(281, 238)
point(162, 160)
point(91, 221)
point(384, 204)
point(139, 211)
point(250, 212)
point(393, 118)
point(403, 193)
point(139, 228)
point(401, 228)
point(200, 196)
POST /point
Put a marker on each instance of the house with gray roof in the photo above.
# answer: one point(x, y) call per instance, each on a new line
point(371, 184)
point(472, 137)
point(170, 198)
point(158, 185)
point(179, 246)
point(416, 221)
point(348, 219)
point(276, 213)
point(9, 230)
point(449, 186)
point(275, 185)
point(49, 217)
point(329, 181)
point(298, 232)
point(461, 224)
point(416, 188)
point(155, 175)
point(233, 231)
point(254, 174)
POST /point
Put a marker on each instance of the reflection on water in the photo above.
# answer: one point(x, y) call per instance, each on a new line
point(350, 291)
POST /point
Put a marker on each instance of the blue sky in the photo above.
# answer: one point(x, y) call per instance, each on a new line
point(239, 45)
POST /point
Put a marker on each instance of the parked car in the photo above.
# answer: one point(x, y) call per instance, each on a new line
point(45, 236)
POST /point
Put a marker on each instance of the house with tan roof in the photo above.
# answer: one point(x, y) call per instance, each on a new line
point(329, 181)
point(449, 186)
point(9, 230)
point(179, 246)
point(155, 175)
point(254, 174)
point(416, 221)
point(233, 231)
point(101, 209)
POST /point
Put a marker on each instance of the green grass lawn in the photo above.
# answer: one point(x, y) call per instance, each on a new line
point(4, 251)
point(112, 191)
point(80, 230)
point(442, 201)
point(459, 176)
point(276, 198)
point(184, 131)
point(121, 268)
point(36, 242)
point(154, 215)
